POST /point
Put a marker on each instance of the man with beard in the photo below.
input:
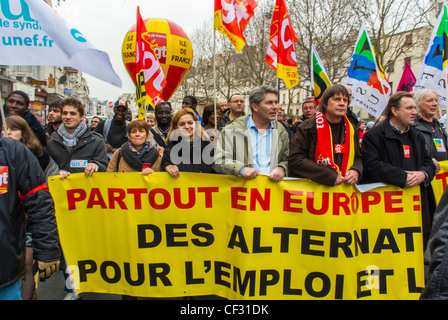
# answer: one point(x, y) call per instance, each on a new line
point(54, 118)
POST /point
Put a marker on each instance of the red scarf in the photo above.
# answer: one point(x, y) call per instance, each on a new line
point(325, 150)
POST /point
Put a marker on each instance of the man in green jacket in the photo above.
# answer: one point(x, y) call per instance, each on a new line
point(255, 144)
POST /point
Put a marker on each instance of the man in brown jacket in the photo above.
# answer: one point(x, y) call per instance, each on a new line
point(325, 148)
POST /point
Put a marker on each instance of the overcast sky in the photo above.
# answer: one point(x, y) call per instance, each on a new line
point(105, 23)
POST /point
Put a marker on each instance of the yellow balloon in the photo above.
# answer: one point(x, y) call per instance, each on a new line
point(173, 49)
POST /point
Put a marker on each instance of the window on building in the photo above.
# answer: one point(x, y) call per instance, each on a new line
point(408, 60)
point(390, 67)
point(408, 40)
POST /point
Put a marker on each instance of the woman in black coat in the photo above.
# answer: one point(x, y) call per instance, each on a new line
point(189, 148)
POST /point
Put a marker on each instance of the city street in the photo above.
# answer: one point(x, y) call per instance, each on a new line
point(53, 289)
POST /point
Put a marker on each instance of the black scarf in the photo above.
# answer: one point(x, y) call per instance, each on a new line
point(135, 163)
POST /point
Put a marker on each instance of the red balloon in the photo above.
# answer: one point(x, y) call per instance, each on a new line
point(173, 49)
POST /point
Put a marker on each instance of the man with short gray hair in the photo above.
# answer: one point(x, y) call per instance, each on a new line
point(255, 144)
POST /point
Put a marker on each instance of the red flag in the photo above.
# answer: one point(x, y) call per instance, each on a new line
point(149, 73)
point(231, 18)
point(281, 54)
point(408, 80)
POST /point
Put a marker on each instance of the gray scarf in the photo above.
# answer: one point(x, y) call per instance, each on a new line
point(71, 138)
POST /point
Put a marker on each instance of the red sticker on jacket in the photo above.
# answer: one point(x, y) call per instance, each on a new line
point(407, 151)
point(3, 179)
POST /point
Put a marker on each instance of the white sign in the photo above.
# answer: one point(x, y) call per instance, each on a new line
point(32, 33)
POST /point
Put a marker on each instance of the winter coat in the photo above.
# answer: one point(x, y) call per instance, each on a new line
point(90, 147)
point(192, 161)
point(429, 135)
point(383, 160)
point(118, 161)
point(383, 154)
point(437, 285)
point(24, 176)
point(302, 155)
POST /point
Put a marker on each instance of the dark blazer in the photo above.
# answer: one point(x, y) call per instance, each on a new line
point(383, 154)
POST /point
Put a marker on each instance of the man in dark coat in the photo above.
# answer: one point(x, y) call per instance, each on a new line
point(114, 130)
point(73, 147)
point(436, 287)
point(394, 152)
point(17, 103)
point(23, 188)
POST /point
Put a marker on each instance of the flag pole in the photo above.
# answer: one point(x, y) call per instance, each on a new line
point(214, 75)
point(278, 89)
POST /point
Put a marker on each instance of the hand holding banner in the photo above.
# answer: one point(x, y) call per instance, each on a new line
point(199, 234)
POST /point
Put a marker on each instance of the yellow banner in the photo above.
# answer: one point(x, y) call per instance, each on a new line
point(440, 180)
point(157, 236)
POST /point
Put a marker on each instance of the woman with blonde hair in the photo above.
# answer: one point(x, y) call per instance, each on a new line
point(136, 155)
point(189, 148)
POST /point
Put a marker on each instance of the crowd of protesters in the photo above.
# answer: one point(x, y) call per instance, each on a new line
point(327, 145)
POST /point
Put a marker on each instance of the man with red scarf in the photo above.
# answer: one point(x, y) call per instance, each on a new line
point(325, 148)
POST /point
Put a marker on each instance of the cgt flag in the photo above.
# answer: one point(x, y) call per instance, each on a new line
point(34, 34)
point(433, 71)
point(366, 77)
point(319, 77)
point(149, 74)
point(231, 18)
point(407, 81)
point(280, 54)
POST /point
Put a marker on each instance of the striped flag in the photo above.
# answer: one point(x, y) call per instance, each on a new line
point(370, 89)
point(231, 18)
point(319, 77)
point(433, 72)
point(280, 54)
point(149, 74)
